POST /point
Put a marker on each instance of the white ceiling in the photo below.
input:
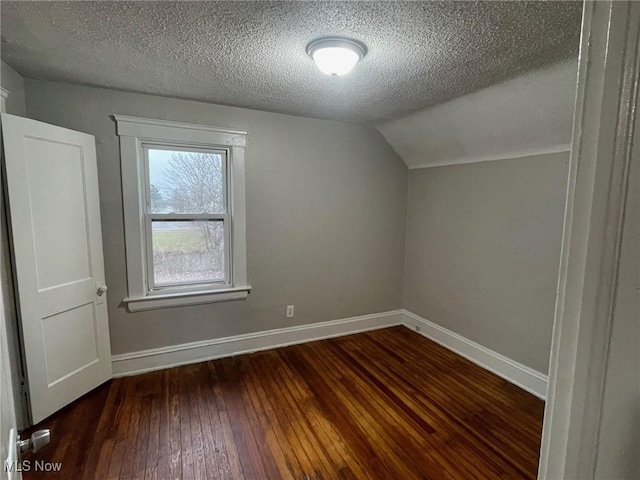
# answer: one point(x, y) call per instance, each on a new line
point(527, 115)
point(252, 54)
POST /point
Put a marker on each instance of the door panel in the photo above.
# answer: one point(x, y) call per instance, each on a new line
point(63, 358)
point(56, 197)
point(57, 243)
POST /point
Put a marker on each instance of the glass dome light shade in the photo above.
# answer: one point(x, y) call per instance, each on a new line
point(335, 56)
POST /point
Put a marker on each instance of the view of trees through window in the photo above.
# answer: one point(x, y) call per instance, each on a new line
point(189, 249)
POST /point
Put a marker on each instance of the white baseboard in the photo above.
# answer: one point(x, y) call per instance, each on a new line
point(167, 357)
point(187, 353)
point(526, 378)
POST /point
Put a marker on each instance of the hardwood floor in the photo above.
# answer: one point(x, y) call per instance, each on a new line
point(387, 404)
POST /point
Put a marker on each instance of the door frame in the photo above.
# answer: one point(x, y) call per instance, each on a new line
point(604, 119)
point(12, 321)
point(14, 410)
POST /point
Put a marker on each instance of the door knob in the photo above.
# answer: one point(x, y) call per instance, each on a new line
point(102, 289)
point(37, 442)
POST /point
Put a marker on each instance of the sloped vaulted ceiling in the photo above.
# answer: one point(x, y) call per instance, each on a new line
point(252, 54)
point(527, 115)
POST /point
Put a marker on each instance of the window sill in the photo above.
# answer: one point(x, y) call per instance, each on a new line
point(153, 302)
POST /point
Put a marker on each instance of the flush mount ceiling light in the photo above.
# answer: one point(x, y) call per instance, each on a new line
point(336, 56)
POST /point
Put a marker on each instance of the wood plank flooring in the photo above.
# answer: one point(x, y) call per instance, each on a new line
point(387, 404)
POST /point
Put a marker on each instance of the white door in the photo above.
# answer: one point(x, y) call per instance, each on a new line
point(57, 243)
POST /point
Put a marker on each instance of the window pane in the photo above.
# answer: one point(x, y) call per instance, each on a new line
point(188, 252)
point(186, 181)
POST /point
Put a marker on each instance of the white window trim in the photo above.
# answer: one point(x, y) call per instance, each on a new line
point(133, 133)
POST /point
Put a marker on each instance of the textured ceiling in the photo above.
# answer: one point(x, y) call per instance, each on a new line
point(252, 54)
point(527, 115)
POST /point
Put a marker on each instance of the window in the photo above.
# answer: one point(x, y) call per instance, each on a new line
point(183, 195)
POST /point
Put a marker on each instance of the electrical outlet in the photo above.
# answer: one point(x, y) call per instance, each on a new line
point(290, 311)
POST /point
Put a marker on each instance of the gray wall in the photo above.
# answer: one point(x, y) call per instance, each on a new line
point(619, 443)
point(11, 81)
point(325, 215)
point(482, 251)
